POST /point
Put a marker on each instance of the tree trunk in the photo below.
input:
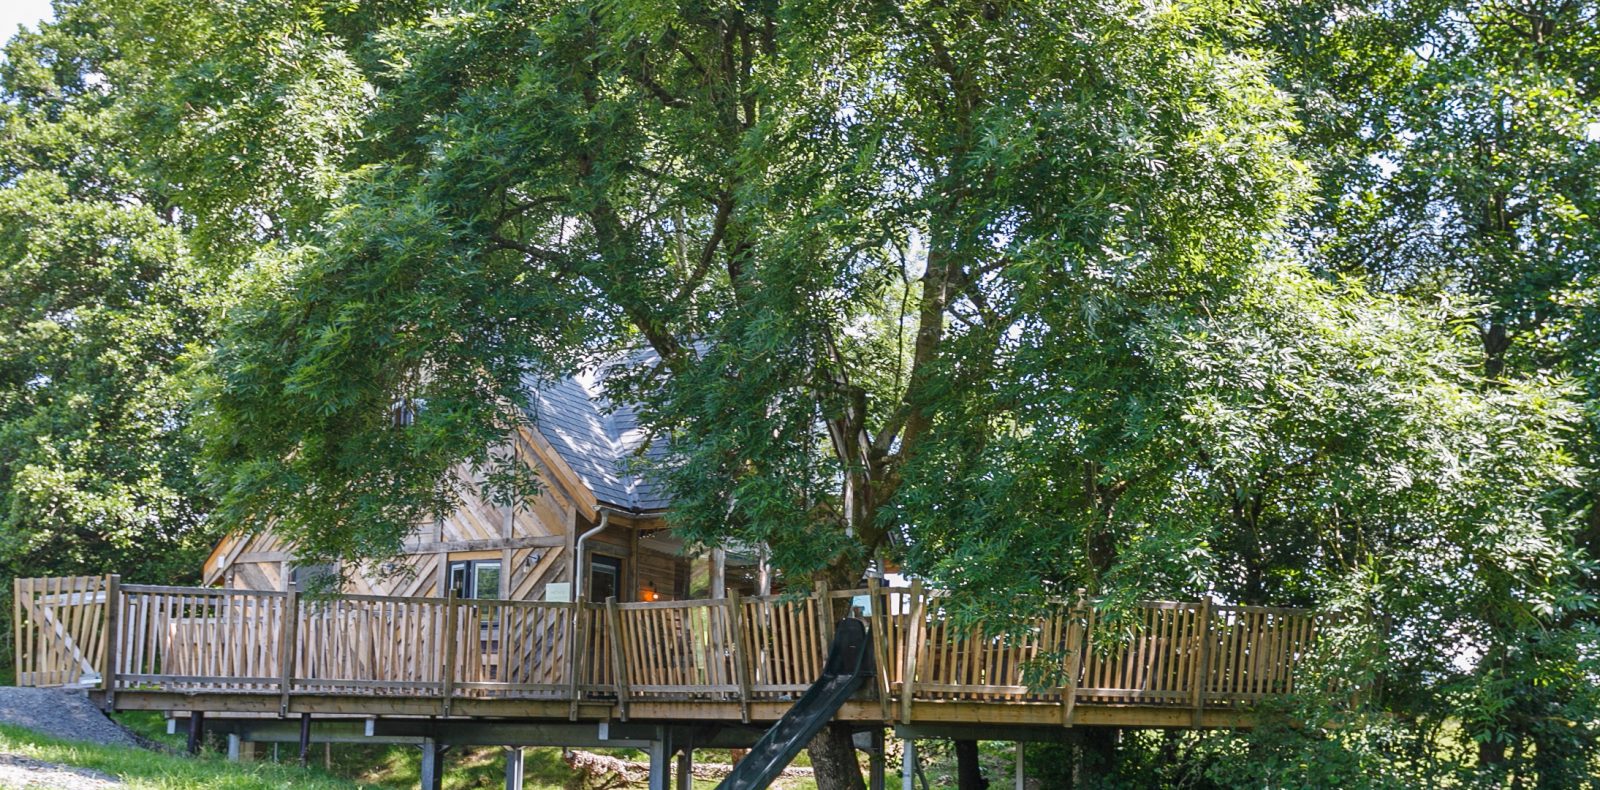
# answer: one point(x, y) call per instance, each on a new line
point(1491, 754)
point(969, 774)
point(833, 758)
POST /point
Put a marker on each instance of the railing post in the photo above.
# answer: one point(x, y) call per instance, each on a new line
point(824, 615)
point(1202, 670)
point(579, 649)
point(286, 651)
point(619, 664)
point(108, 665)
point(741, 669)
point(452, 618)
point(908, 678)
point(878, 602)
point(1077, 626)
point(18, 650)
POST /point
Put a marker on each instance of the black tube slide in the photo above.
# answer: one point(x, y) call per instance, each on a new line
point(849, 664)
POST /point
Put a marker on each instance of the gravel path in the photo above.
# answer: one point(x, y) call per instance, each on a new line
point(62, 714)
point(26, 773)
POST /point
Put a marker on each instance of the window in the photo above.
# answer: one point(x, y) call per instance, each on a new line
point(475, 578)
point(403, 411)
point(605, 578)
point(310, 578)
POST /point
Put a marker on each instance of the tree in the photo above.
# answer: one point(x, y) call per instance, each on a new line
point(769, 197)
point(1457, 144)
point(100, 301)
point(1013, 293)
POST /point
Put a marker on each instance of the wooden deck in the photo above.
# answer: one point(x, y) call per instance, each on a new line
point(739, 660)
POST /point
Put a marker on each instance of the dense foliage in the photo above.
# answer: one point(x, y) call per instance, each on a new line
point(100, 301)
point(1291, 303)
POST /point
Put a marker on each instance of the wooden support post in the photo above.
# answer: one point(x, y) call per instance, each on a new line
point(431, 772)
point(452, 618)
point(1020, 774)
point(824, 615)
point(1077, 635)
point(18, 651)
point(908, 676)
point(741, 652)
point(619, 663)
point(1202, 669)
point(719, 573)
point(579, 648)
point(878, 602)
point(286, 649)
point(305, 739)
point(197, 730)
point(514, 768)
point(108, 664)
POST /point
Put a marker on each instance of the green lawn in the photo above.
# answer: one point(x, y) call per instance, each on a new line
point(350, 766)
point(148, 770)
point(543, 768)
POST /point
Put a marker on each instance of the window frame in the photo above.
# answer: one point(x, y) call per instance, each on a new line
point(468, 586)
point(613, 565)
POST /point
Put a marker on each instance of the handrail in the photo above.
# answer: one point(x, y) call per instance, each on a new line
point(742, 649)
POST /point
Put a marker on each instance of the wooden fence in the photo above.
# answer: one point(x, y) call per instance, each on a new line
point(94, 631)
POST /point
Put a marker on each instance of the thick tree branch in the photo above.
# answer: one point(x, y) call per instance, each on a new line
point(537, 253)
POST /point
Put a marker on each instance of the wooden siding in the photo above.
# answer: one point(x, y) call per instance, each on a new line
point(657, 572)
point(532, 541)
point(416, 576)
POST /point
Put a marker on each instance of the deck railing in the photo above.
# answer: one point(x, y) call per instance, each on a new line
point(95, 631)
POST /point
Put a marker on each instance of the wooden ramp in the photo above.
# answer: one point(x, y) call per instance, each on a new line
point(739, 660)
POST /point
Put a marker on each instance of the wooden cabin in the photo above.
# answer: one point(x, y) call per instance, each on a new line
point(585, 450)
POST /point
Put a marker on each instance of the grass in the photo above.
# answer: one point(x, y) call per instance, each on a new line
point(151, 726)
point(543, 768)
point(349, 766)
point(148, 770)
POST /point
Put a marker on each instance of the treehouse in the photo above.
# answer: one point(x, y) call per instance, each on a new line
point(596, 520)
point(575, 619)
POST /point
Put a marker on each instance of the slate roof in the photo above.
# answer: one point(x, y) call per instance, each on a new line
point(600, 440)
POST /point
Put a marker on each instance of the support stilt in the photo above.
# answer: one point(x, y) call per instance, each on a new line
point(1020, 775)
point(660, 769)
point(908, 765)
point(432, 769)
point(197, 730)
point(305, 739)
point(686, 768)
point(513, 768)
point(875, 767)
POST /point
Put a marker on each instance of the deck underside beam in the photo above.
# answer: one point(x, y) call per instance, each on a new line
point(1020, 721)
